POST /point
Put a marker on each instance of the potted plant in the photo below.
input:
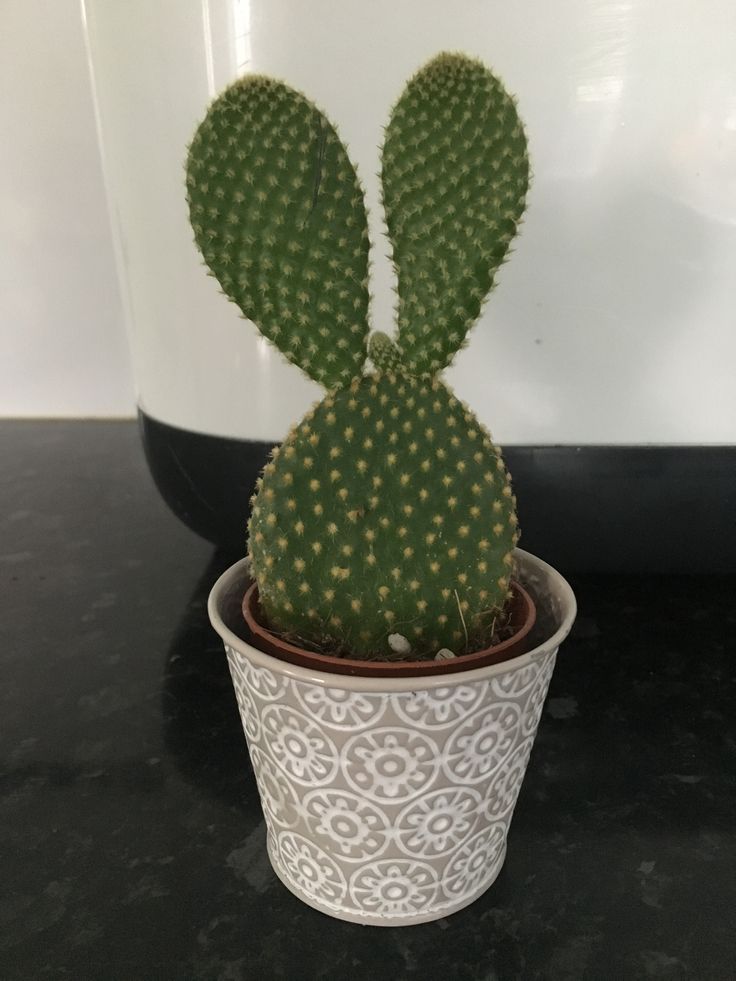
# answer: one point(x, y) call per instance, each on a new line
point(387, 664)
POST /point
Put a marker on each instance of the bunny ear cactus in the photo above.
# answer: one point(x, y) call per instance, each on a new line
point(388, 508)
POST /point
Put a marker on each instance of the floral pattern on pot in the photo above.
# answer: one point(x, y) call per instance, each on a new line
point(389, 806)
point(439, 707)
point(340, 709)
point(310, 867)
point(507, 783)
point(394, 888)
point(247, 707)
point(280, 803)
point(299, 747)
point(436, 823)
point(482, 743)
point(266, 685)
point(358, 829)
point(537, 695)
point(390, 764)
point(469, 866)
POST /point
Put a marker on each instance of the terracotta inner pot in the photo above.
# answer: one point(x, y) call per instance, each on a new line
point(523, 616)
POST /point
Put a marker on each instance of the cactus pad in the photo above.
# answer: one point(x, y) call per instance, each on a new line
point(386, 510)
point(278, 214)
point(455, 176)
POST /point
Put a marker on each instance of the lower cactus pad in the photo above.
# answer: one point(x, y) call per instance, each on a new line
point(386, 510)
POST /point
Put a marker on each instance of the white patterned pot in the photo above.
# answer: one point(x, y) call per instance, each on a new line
point(388, 800)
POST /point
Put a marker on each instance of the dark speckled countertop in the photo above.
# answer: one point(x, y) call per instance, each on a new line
point(132, 840)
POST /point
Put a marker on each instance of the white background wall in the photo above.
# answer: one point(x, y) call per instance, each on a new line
point(63, 350)
point(614, 321)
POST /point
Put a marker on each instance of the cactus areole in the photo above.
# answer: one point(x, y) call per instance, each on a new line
point(387, 510)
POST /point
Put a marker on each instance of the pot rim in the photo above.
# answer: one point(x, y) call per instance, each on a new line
point(228, 591)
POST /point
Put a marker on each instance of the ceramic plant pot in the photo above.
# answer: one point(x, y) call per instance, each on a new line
point(388, 800)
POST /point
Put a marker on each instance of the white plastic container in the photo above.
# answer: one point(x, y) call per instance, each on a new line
point(622, 273)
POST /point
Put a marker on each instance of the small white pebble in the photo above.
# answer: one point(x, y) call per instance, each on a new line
point(399, 644)
point(444, 655)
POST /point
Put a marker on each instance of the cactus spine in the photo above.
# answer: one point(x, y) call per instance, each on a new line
point(387, 508)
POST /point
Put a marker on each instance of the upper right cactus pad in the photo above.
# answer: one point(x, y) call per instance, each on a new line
point(455, 176)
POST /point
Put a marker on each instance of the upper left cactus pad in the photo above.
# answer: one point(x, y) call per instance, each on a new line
point(278, 214)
